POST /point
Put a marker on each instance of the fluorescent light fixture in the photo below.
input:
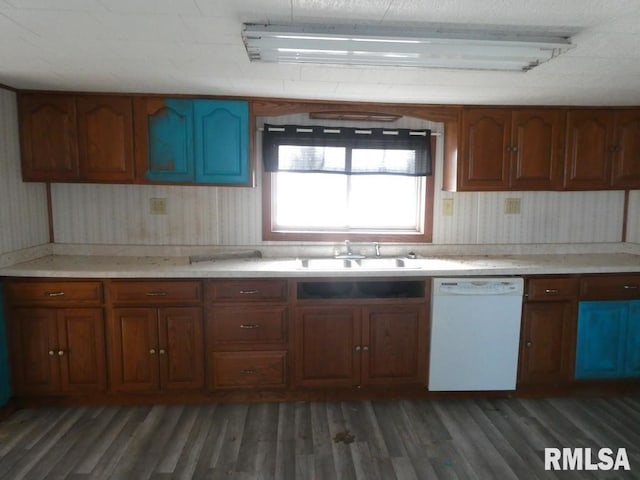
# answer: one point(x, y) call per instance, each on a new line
point(489, 48)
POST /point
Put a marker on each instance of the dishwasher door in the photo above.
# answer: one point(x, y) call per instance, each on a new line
point(475, 333)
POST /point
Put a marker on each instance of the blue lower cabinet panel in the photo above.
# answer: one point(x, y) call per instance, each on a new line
point(170, 130)
point(601, 341)
point(221, 141)
point(5, 389)
point(632, 351)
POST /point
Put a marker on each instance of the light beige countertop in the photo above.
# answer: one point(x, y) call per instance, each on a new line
point(103, 266)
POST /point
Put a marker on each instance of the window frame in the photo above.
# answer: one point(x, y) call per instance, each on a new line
point(268, 234)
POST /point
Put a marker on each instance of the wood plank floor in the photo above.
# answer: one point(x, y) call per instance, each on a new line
point(378, 440)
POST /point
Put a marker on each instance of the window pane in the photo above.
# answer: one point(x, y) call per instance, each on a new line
point(306, 201)
point(385, 202)
point(387, 161)
point(295, 157)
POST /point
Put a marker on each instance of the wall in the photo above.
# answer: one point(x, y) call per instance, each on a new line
point(633, 216)
point(23, 206)
point(119, 214)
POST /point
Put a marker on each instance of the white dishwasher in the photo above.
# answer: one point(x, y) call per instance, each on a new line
point(475, 333)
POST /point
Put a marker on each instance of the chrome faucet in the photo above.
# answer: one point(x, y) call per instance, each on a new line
point(376, 245)
point(347, 246)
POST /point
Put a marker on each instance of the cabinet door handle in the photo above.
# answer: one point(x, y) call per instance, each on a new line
point(248, 371)
point(162, 351)
point(552, 291)
point(509, 148)
point(156, 294)
point(249, 292)
point(51, 353)
point(60, 353)
point(529, 344)
point(55, 294)
point(365, 348)
point(358, 348)
point(152, 351)
point(630, 287)
point(514, 148)
point(249, 326)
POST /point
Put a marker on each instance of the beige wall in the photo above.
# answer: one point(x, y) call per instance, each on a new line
point(23, 206)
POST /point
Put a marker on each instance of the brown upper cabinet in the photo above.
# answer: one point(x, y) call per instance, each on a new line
point(76, 138)
point(603, 149)
point(505, 149)
point(48, 138)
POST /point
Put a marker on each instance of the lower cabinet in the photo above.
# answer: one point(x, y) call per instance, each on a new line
point(247, 324)
point(353, 345)
point(57, 350)
point(608, 339)
point(157, 349)
point(548, 333)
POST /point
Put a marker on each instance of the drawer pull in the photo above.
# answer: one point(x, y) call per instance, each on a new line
point(552, 291)
point(249, 326)
point(55, 294)
point(248, 371)
point(630, 287)
point(156, 294)
point(249, 292)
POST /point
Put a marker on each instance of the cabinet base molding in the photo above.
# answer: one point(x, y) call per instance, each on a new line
point(580, 388)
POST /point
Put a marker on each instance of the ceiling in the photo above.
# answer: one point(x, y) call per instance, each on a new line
point(195, 47)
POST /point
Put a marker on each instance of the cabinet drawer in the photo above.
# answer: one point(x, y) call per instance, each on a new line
point(155, 292)
point(54, 292)
point(618, 287)
point(249, 369)
point(550, 289)
point(248, 326)
point(247, 290)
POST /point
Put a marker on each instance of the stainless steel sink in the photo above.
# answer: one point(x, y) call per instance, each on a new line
point(372, 263)
point(325, 263)
point(376, 263)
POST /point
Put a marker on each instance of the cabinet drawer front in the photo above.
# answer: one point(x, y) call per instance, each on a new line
point(618, 287)
point(54, 292)
point(249, 326)
point(550, 289)
point(248, 369)
point(247, 290)
point(155, 292)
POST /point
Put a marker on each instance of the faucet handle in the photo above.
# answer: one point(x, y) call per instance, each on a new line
point(376, 246)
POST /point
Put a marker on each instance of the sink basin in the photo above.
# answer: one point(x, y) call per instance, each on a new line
point(376, 263)
point(325, 263)
point(372, 263)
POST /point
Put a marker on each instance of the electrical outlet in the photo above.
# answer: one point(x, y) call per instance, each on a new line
point(158, 206)
point(447, 207)
point(512, 206)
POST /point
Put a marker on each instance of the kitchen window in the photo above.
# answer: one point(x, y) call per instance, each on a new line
point(326, 183)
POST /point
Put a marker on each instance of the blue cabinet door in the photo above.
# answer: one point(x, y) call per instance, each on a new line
point(170, 130)
point(600, 350)
point(632, 350)
point(221, 141)
point(5, 390)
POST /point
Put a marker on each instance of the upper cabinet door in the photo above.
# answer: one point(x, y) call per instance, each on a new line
point(588, 158)
point(626, 149)
point(48, 138)
point(222, 141)
point(164, 139)
point(537, 149)
point(105, 139)
point(486, 149)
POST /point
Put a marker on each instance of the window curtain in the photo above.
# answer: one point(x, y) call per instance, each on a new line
point(352, 151)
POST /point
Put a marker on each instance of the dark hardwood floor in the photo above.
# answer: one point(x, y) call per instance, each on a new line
point(385, 440)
